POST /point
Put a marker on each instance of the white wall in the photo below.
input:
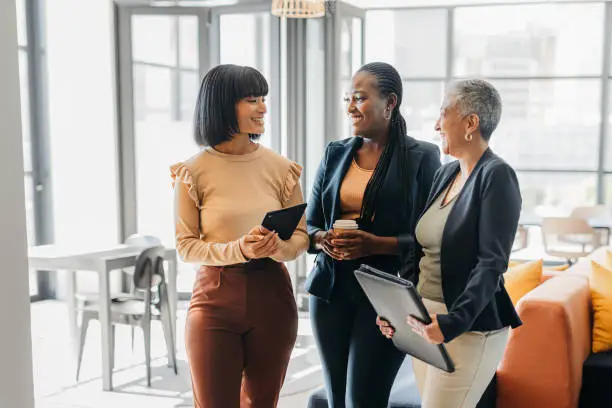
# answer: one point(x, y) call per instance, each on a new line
point(83, 125)
point(16, 389)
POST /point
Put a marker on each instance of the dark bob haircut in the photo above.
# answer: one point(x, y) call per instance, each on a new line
point(215, 112)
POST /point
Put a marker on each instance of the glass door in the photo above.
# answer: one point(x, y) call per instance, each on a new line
point(161, 63)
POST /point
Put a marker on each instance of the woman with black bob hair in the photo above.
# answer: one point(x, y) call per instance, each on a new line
point(242, 319)
point(380, 178)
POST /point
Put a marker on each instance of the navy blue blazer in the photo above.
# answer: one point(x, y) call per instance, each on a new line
point(394, 217)
point(476, 245)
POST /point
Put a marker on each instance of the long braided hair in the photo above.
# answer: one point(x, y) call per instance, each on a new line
point(389, 82)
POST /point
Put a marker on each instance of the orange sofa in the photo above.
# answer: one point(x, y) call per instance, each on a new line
point(542, 365)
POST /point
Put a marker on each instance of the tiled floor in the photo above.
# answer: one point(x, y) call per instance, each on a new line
point(54, 371)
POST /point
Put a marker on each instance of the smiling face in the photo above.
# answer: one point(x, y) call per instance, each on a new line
point(250, 113)
point(365, 106)
point(454, 127)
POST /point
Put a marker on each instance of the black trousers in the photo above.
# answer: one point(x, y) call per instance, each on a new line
point(359, 363)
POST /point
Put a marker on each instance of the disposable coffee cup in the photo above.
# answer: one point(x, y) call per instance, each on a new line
point(345, 225)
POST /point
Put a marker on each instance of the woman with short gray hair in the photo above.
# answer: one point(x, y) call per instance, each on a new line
point(466, 234)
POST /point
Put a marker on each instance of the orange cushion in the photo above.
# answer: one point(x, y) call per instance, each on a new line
point(523, 278)
point(601, 297)
point(558, 268)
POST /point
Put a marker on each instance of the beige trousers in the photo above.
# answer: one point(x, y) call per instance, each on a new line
point(476, 356)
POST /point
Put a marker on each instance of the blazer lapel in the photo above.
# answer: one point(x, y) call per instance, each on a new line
point(394, 178)
point(343, 158)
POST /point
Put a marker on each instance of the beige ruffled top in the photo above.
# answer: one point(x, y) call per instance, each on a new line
point(220, 197)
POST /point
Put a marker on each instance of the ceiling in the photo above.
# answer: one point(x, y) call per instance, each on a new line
point(372, 4)
point(188, 3)
point(366, 4)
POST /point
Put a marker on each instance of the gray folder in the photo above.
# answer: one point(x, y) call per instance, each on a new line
point(394, 299)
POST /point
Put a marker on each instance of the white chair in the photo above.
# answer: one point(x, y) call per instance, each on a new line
point(569, 238)
point(590, 212)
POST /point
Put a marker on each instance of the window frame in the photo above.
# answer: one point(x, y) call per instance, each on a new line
point(603, 169)
point(40, 172)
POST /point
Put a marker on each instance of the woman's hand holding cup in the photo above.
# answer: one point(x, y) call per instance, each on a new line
point(350, 242)
point(329, 242)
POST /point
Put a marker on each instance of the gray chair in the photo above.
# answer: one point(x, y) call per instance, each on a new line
point(139, 241)
point(135, 310)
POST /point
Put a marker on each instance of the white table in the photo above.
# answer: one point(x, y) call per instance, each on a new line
point(103, 261)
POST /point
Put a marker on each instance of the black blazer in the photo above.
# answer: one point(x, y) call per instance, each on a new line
point(476, 245)
point(393, 217)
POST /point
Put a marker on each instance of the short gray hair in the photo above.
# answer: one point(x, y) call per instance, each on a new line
point(476, 96)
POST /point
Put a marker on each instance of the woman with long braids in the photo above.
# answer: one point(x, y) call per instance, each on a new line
point(381, 179)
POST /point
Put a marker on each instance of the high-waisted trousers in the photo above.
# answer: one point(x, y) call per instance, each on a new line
point(241, 328)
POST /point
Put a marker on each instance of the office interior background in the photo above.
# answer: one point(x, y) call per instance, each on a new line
point(107, 98)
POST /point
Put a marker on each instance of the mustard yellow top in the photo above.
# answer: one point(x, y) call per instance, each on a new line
point(220, 197)
point(352, 191)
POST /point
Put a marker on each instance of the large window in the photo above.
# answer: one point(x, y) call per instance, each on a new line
point(546, 190)
point(414, 41)
point(420, 107)
point(608, 190)
point(165, 84)
point(422, 64)
point(529, 40)
point(545, 59)
point(245, 39)
point(549, 123)
point(351, 45)
point(608, 141)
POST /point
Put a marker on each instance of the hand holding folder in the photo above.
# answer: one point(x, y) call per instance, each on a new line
point(393, 299)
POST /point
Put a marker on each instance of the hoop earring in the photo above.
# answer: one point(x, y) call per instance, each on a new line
point(387, 114)
point(469, 137)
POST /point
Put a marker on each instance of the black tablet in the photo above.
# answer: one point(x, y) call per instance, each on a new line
point(284, 221)
point(394, 299)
